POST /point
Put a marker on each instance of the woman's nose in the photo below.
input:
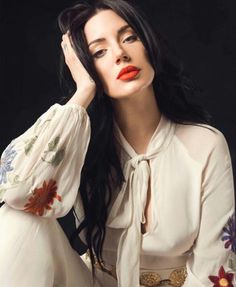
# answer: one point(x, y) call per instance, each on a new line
point(121, 56)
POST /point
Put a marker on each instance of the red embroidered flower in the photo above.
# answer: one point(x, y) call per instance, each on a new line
point(42, 198)
point(223, 280)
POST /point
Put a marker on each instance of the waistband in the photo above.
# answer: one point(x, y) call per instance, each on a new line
point(151, 261)
point(155, 271)
point(165, 277)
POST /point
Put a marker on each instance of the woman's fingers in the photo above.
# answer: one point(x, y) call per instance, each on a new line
point(85, 87)
point(67, 47)
point(78, 72)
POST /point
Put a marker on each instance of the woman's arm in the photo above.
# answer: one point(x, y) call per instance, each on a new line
point(40, 170)
point(212, 249)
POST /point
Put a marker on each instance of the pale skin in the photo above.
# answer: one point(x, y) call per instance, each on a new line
point(135, 106)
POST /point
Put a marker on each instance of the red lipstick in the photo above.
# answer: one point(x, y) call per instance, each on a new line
point(128, 73)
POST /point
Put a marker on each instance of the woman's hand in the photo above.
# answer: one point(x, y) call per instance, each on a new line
point(86, 87)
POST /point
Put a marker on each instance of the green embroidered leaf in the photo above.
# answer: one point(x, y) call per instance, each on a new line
point(54, 112)
point(53, 144)
point(13, 178)
point(2, 190)
point(37, 124)
point(232, 261)
point(58, 157)
point(16, 179)
point(30, 144)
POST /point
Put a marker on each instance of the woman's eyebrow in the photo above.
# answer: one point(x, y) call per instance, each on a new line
point(119, 32)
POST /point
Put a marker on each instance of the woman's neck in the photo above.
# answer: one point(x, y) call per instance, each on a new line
point(137, 118)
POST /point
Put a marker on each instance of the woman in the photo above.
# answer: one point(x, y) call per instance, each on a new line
point(155, 180)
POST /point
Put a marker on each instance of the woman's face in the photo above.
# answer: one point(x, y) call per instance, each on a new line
point(114, 46)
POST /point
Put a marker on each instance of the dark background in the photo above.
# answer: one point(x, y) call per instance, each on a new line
point(203, 33)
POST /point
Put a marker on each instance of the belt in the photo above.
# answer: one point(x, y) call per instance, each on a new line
point(150, 278)
point(153, 279)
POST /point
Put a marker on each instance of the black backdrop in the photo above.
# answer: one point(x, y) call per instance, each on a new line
point(203, 33)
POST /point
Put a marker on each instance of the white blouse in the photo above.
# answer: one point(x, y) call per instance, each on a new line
point(192, 200)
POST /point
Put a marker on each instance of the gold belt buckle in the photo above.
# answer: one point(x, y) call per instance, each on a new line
point(150, 279)
point(153, 279)
point(178, 276)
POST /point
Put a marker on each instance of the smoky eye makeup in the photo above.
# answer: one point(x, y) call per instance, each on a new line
point(98, 54)
point(131, 37)
point(127, 36)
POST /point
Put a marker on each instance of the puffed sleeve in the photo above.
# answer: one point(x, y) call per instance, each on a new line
point(40, 169)
point(211, 261)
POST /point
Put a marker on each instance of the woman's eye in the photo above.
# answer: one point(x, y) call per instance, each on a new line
point(131, 38)
point(99, 53)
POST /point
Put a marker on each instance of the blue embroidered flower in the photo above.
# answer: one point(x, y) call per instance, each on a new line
point(5, 163)
point(229, 235)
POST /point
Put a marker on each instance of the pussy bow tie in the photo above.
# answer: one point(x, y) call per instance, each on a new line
point(127, 212)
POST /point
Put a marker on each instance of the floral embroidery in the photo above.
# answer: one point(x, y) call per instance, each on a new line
point(224, 279)
point(5, 163)
point(58, 157)
point(29, 144)
point(229, 235)
point(232, 261)
point(2, 190)
point(14, 178)
point(42, 198)
point(38, 122)
point(53, 144)
point(52, 155)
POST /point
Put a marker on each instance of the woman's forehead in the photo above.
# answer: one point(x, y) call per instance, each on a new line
point(103, 23)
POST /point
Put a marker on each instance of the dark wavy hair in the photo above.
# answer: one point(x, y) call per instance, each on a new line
point(102, 172)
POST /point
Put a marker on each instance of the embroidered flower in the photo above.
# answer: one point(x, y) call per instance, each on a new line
point(229, 235)
point(224, 279)
point(5, 163)
point(42, 198)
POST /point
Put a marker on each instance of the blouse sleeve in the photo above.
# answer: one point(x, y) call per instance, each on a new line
point(211, 261)
point(40, 170)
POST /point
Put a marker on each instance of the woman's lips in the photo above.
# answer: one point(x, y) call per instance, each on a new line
point(129, 75)
point(127, 70)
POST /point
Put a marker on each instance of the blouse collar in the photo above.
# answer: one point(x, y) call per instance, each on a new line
point(159, 140)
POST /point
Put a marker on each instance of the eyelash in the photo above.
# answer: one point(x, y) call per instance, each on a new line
point(130, 38)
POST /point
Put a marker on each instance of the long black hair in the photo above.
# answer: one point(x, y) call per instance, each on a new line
point(102, 172)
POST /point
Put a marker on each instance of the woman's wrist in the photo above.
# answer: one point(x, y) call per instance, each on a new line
point(82, 97)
